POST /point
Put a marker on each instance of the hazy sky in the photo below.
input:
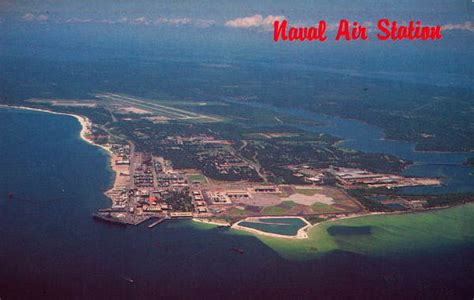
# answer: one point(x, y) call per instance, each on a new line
point(216, 13)
point(231, 31)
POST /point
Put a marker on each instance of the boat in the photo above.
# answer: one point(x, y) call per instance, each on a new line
point(128, 279)
point(108, 219)
point(10, 195)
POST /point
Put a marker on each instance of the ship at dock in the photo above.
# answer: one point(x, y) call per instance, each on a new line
point(108, 219)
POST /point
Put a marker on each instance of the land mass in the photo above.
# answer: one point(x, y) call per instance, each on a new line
point(173, 162)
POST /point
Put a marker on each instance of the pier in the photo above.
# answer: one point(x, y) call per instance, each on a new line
point(156, 222)
point(125, 219)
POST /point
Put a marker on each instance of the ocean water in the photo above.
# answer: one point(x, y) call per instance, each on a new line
point(413, 234)
point(50, 246)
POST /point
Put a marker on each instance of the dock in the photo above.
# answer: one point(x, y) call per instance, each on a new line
point(156, 222)
point(108, 219)
point(125, 220)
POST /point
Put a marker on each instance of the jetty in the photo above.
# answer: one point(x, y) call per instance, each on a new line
point(156, 222)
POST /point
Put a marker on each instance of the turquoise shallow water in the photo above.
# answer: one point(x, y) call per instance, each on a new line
point(403, 235)
point(51, 247)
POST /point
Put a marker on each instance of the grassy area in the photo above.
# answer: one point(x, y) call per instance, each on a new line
point(308, 192)
point(323, 208)
point(197, 177)
point(279, 209)
point(239, 212)
point(314, 219)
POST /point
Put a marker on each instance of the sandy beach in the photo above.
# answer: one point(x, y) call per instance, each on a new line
point(208, 221)
point(301, 234)
point(122, 179)
point(122, 175)
point(86, 124)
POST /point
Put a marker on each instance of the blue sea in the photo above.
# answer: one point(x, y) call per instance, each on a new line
point(51, 247)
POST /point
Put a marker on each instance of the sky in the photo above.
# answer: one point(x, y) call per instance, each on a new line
point(231, 32)
point(228, 14)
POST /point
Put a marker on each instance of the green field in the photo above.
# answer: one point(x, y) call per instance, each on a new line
point(197, 177)
point(279, 209)
point(240, 212)
point(314, 219)
point(323, 208)
point(308, 192)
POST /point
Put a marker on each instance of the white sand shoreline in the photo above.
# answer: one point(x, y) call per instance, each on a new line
point(86, 124)
point(207, 221)
point(86, 130)
point(301, 234)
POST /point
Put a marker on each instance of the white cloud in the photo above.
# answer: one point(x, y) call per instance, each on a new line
point(201, 23)
point(78, 20)
point(178, 21)
point(255, 21)
point(140, 21)
point(29, 17)
point(42, 18)
point(100, 21)
point(461, 26)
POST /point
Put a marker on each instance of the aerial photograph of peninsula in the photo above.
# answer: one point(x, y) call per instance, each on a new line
point(236, 149)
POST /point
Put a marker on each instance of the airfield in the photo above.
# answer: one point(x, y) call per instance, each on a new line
point(121, 104)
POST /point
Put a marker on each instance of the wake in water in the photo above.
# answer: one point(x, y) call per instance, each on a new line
point(14, 197)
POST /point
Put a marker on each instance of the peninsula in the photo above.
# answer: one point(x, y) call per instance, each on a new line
point(182, 161)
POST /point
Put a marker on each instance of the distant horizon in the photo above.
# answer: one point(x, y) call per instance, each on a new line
point(193, 149)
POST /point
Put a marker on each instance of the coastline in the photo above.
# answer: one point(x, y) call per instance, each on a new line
point(86, 130)
point(86, 124)
point(210, 222)
point(120, 181)
point(301, 234)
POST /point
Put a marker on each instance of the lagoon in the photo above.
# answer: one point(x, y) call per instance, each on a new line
point(281, 226)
